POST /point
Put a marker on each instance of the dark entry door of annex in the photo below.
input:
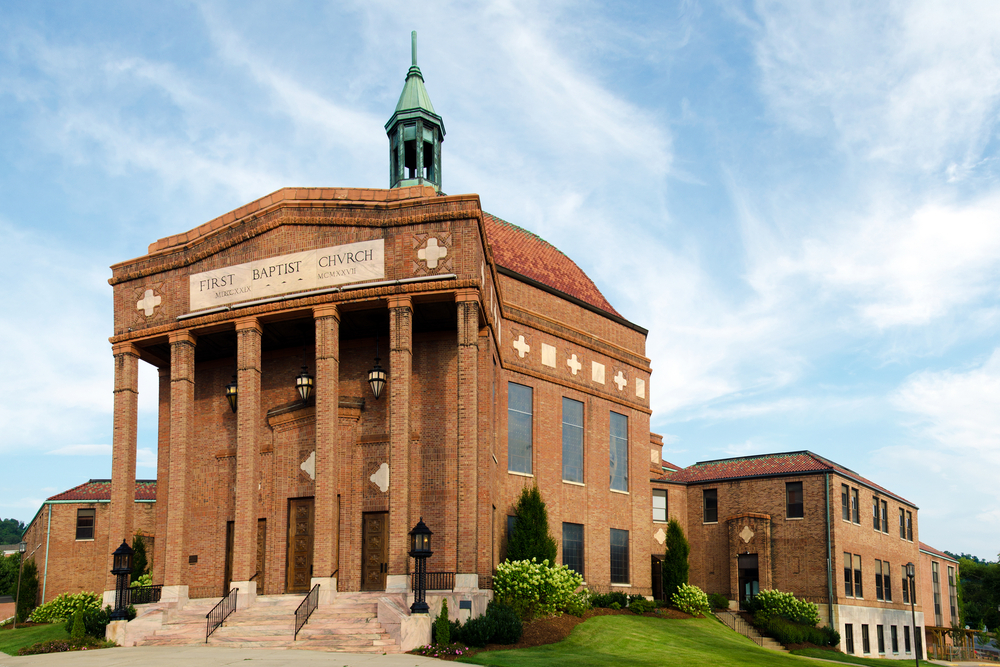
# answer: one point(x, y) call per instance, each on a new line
point(374, 550)
point(301, 512)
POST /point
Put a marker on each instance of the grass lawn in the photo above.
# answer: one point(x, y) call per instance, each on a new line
point(11, 640)
point(638, 640)
point(855, 659)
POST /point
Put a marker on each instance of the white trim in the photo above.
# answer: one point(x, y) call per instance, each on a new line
point(520, 474)
point(624, 493)
point(566, 481)
point(621, 585)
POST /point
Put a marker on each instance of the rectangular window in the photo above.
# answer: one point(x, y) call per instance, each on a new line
point(855, 507)
point(619, 556)
point(85, 524)
point(518, 428)
point(952, 594)
point(880, 638)
point(894, 636)
point(875, 521)
point(511, 522)
point(619, 452)
point(902, 524)
point(848, 575)
point(793, 500)
point(866, 645)
point(887, 580)
point(845, 502)
point(572, 440)
point(573, 547)
point(906, 588)
point(660, 505)
point(906, 638)
point(909, 526)
point(858, 592)
point(935, 580)
point(711, 505)
point(885, 517)
point(849, 634)
point(878, 580)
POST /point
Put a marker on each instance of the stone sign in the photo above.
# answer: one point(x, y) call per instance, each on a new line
point(312, 269)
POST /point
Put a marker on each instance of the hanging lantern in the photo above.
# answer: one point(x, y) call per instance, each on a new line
point(304, 383)
point(231, 393)
point(376, 378)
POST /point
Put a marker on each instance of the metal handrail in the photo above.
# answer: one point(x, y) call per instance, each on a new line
point(220, 612)
point(738, 624)
point(310, 603)
point(143, 594)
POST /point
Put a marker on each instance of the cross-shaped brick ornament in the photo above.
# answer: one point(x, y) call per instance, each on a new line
point(521, 346)
point(148, 303)
point(620, 380)
point(574, 365)
point(432, 253)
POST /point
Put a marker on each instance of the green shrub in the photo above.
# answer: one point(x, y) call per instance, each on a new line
point(535, 589)
point(530, 537)
point(142, 580)
point(78, 629)
point(442, 628)
point(772, 603)
point(59, 645)
point(605, 600)
point(478, 631)
point(578, 604)
point(507, 626)
point(718, 601)
point(140, 562)
point(63, 607)
point(788, 632)
point(641, 606)
point(691, 600)
point(28, 597)
point(614, 605)
point(675, 561)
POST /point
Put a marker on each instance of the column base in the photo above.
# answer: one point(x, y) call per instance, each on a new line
point(327, 589)
point(178, 594)
point(108, 600)
point(397, 583)
point(246, 593)
point(466, 583)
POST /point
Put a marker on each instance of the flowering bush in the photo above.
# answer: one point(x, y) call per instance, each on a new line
point(771, 603)
point(536, 589)
point(59, 645)
point(143, 580)
point(64, 606)
point(691, 600)
point(441, 650)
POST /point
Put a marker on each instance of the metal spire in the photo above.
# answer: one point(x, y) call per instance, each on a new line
point(413, 47)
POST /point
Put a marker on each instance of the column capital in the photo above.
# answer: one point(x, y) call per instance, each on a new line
point(244, 323)
point(400, 301)
point(326, 310)
point(124, 348)
point(466, 294)
point(183, 336)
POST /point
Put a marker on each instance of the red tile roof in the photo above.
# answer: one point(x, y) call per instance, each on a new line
point(931, 550)
point(529, 255)
point(768, 465)
point(96, 490)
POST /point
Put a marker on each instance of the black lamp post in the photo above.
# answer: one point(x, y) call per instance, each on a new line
point(918, 645)
point(231, 393)
point(121, 568)
point(420, 551)
point(21, 548)
point(304, 383)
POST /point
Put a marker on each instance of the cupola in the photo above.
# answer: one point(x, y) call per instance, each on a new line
point(415, 134)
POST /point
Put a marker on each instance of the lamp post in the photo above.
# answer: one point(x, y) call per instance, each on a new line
point(911, 572)
point(21, 548)
point(420, 551)
point(121, 568)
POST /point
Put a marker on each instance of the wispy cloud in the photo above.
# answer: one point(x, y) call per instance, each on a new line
point(82, 450)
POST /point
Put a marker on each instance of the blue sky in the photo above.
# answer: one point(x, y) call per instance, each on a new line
point(800, 201)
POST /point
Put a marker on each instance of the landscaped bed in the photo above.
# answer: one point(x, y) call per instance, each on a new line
point(11, 640)
point(830, 654)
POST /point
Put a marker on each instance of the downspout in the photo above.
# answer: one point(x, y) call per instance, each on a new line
point(829, 552)
point(48, 531)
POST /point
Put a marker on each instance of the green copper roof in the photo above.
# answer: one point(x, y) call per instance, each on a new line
point(414, 95)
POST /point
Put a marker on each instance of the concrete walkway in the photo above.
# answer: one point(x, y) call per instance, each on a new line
point(210, 656)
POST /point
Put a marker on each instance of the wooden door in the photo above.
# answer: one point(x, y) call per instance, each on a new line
point(374, 550)
point(261, 550)
point(230, 525)
point(300, 545)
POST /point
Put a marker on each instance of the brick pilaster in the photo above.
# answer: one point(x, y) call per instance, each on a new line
point(123, 449)
point(467, 302)
point(400, 370)
point(162, 477)
point(181, 438)
point(326, 543)
point(248, 425)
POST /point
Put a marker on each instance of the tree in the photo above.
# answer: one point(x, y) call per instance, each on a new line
point(8, 574)
point(28, 599)
point(530, 537)
point(140, 564)
point(979, 592)
point(675, 562)
point(11, 531)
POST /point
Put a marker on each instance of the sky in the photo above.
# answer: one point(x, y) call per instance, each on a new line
point(799, 201)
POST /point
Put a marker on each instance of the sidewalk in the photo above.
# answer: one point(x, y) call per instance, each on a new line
point(211, 656)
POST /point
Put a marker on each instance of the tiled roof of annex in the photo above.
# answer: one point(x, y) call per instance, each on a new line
point(937, 552)
point(97, 490)
point(769, 465)
point(531, 256)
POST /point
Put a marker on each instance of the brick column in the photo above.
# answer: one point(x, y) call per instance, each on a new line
point(467, 302)
point(162, 476)
point(248, 425)
point(123, 445)
point(400, 369)
point(326, 542)
point(181, 438)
